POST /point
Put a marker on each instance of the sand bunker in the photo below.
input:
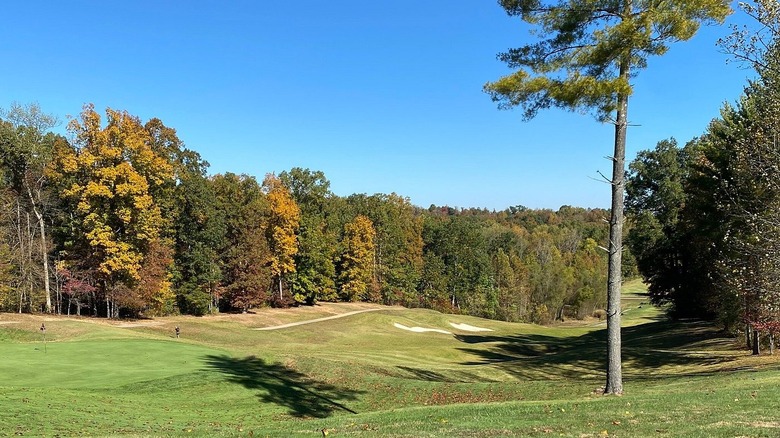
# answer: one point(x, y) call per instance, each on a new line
point(470, 328)
point(420, 329)
point(140, 324)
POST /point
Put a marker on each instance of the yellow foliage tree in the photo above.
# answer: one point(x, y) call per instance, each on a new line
point(357, 261)
point(107, 177)
point(284, 220)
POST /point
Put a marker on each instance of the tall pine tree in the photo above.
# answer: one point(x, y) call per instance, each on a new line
point(590, 50)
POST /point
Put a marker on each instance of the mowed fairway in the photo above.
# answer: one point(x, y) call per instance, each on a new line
point(362, 375)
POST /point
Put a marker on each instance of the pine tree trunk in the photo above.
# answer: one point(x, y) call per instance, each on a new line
point(614, 279)
point(747, 336)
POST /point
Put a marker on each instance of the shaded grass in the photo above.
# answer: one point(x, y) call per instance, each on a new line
point(283, 386)
point(696, 407)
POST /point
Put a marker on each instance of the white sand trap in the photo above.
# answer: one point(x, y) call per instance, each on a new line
point(470, 328)
point(139, 324)
point(420, 329)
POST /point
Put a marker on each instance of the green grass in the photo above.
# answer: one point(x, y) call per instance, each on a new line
point(359, 375)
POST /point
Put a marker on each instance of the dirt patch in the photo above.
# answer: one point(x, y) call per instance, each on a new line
point(268, 317)
point(325, 318)
point(766, 424)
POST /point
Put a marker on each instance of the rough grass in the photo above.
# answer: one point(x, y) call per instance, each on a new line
point(359, 375)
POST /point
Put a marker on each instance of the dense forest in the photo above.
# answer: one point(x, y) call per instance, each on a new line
point(706, 215)
point(119, 218)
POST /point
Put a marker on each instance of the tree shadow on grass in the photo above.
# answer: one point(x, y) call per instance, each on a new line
point(302, 395)
point(647, 348)
point(425, 375)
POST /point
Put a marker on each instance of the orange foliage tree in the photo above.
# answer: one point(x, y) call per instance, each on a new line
point(107, 177)
point(284, 220)
point(357, 261)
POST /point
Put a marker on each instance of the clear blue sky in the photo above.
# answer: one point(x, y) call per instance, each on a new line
point(381, 96)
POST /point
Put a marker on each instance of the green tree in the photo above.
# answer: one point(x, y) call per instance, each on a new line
point(201, 237)
point(457, 244)
point(662, 236)
point(592, 49)
point(750, 258)
point(8, 279)
point(26, 153)
point(315, 274)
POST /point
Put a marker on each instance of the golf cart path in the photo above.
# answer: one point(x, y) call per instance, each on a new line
point(311, 321)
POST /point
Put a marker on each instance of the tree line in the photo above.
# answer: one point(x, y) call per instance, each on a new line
point(706, 215)
point(119, 218)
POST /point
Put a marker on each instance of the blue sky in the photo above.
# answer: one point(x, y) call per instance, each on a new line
point(381, 96)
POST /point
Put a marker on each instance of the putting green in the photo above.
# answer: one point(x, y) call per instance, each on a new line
point(98, 364)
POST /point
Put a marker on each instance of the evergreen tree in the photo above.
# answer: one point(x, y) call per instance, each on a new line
point(591, 51)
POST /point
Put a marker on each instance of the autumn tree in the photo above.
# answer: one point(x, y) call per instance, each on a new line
point(76, 286)
point(507, 244)
point(248, 272)
point(107, 178)
point(549, 277)
point(399, 244)
point(589, 52)
point(589, 270)
point(154, 288)
point(357, 260)
point(512, 296)
point(284, 220)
